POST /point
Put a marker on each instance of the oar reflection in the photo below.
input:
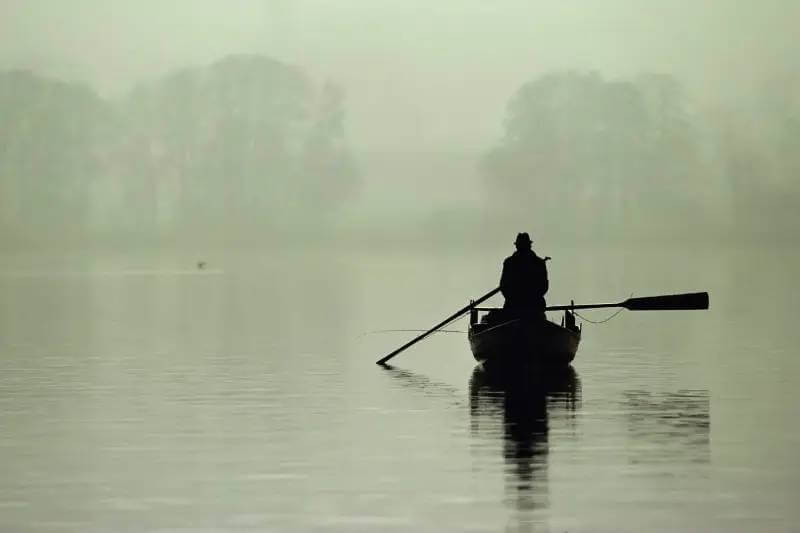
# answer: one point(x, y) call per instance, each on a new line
point(668, 428)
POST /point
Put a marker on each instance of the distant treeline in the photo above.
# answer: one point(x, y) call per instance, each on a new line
point(583, 159)
point(249, 150)
point(243, 149)
point(586, 158)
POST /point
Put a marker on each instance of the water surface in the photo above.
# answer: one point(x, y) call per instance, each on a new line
point(149, 395)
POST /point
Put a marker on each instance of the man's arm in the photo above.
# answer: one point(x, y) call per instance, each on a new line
point(505, 279)
point(544, 282)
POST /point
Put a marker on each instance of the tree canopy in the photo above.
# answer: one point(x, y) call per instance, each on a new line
point(48, 153)
point(578, 147)
point(247, 145)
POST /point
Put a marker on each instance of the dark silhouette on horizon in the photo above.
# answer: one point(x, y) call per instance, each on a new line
point(524, 279)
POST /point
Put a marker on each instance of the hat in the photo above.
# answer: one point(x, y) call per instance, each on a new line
point(523, 238)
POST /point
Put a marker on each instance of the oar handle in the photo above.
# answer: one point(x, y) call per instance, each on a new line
point(580, 306)
point(441, 324)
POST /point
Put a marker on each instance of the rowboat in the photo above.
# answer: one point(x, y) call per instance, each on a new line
point(500, 339)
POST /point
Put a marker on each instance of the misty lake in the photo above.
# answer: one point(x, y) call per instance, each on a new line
point(147, 394)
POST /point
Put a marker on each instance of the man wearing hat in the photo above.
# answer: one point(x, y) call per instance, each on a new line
point(524, 279)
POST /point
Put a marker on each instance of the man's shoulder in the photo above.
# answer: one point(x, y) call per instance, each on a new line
point(523, 258)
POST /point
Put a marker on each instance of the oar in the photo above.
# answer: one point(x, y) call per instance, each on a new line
point(441, 324)
point(693, 300)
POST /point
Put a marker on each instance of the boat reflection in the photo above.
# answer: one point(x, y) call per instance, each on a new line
point(524, 404)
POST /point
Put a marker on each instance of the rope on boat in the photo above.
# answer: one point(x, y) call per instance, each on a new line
point(621, 309)
point(598, 321)
point(502, 324)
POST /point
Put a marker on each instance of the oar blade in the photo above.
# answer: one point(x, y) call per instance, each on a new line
point(694, 300)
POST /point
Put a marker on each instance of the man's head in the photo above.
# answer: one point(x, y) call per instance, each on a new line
point(523, 241)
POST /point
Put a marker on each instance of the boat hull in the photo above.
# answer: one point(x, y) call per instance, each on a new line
point(529, 340)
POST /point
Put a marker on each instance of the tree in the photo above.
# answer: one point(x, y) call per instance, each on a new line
point(247, 142)
point(758, 151)
point(242, 147)
point(48, 154)
point(327, 173)
point(607, 155)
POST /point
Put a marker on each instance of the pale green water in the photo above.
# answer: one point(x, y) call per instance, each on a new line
point(145, 395)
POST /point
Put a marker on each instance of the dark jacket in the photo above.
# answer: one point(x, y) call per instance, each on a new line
point(524, 281)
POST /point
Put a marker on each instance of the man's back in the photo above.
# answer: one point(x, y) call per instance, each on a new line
point(524, 280)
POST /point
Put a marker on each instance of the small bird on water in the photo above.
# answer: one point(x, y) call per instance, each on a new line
point(201, 265)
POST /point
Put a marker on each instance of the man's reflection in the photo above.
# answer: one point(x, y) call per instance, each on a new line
point(525, 404)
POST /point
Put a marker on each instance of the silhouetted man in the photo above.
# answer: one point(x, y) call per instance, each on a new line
point(524, 280)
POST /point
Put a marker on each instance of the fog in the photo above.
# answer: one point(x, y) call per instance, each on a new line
point(216, 216)
point(397, 122)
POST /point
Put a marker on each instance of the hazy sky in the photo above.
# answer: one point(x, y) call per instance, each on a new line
point(419, 74)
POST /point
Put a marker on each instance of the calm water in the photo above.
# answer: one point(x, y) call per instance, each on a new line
point(145, 395)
